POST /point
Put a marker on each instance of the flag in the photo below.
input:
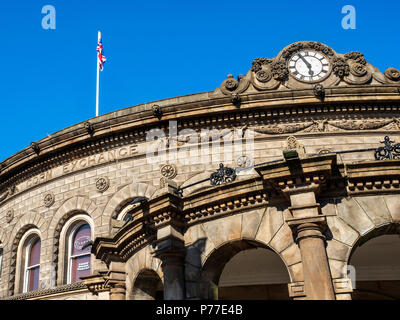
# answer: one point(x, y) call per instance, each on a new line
point(100, 56)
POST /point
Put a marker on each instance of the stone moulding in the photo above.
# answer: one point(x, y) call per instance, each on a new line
point(256, 106)
point(78, 287)
point(277, 181)
point(312, 112)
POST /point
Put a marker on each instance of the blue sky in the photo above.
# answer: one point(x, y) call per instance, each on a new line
point(157, 50)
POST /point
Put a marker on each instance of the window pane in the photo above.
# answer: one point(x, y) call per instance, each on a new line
point(33, 279)
point(80, 267)
point(34, 255)
point(82, 235)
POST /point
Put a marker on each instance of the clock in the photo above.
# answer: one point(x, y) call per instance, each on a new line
point(309, 66)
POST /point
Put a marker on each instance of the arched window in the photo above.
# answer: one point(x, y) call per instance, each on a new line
point(78, 257)
point(32, 264)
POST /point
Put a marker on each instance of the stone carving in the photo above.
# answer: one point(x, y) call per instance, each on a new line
point(283, 128)
point(359, 124)
point(8, 193)
point(263, 75)
point(35, 147)
point(236, 100)
point(325, 125)
point(293, 144)
point(273, 74)
point(392, 74)
point(340, 67)
point(293, 48)
point(259, 62)
point(168, 171)
point(244, 162)
point(230, 83)
point(89, 127)
point(279, 70)
point(162, 182)
point(319, 91)
point(356, 56)
point(49, 200)
point(157, 112)
point(102, 184)
point(9, 215)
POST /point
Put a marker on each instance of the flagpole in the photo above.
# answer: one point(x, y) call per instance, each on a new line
point(97, 84)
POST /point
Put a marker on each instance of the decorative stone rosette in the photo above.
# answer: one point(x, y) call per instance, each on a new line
point(392, 74)
point(102, 184)
point(49, 200)
point(168, 171)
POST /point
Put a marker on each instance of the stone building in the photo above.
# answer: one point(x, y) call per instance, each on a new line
point(280, 184)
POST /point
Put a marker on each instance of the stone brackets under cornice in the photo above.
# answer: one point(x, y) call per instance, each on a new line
point(277, 182)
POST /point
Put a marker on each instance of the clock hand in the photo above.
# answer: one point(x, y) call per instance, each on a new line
point(310, 72)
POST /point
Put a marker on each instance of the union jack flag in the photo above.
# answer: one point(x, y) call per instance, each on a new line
point(100, 57)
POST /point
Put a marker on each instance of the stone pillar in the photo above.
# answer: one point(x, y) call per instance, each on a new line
point(117, 280)
point(171, 251)
point(308, 226)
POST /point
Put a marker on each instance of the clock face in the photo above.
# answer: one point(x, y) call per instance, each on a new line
point(308, 66)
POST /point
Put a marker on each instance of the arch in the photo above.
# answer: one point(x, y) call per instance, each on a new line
point(207, 284)
point(375, 271)
point(124, 195)
point(147, 286)
point(142, 260)
point(71, 207)
point(62, 262)
point(15, 248)
point(28, 221)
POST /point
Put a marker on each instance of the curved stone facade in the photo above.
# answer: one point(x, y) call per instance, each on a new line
point(302, 177)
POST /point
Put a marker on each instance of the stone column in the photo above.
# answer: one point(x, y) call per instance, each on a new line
point(117, 280)
point(171, 251)
point(308, 226)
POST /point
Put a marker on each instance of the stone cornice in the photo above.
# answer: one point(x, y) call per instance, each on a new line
point(129, 125)
point(78, 287)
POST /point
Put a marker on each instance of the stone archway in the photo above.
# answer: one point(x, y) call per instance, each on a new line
point(147, 286)
point(374, 265)
point(227, 273)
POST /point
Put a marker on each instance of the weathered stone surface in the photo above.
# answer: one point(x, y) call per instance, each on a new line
point(291, 255)
point(337, 250)
point(375, 208)
point(270, 224)
point(251, 222)
point(341, 231)
point(220, 233)
point(393, 205)
point(354, 215)
point(282, 239)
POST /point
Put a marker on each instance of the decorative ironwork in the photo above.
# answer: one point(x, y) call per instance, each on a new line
point(223, 175)
point(389, 151)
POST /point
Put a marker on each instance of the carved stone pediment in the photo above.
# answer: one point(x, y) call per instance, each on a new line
point(329, 70)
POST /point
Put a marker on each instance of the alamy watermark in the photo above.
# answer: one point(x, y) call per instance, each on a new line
point(191, 147)
point(49, 20)
point(349, 20)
